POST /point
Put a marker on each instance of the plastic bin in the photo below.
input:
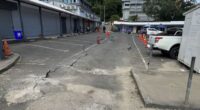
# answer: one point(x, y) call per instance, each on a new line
point(18, 35)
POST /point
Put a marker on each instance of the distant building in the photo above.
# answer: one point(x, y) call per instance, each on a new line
point(79, 7)
point(134, 8)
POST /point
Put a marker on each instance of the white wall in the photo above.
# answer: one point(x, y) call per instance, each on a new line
point(191, 39)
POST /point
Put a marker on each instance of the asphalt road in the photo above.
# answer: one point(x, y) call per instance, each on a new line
point(76, 74)
point(40, 57)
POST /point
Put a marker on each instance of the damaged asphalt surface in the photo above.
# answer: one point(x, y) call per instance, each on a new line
point(72, 74)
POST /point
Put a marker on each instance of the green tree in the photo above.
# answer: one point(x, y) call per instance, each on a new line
point(114, 18)
point(112, 7)
point(133, 18)
point(166, 10)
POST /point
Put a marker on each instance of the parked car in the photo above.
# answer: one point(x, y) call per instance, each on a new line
point(168, 44)
point(153, 31)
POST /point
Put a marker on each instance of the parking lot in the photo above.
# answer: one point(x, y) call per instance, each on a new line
point(76, 73)
point(52, 51)
point(163, 82)
point(59, 74)
point(158, 61)
point(40, 57)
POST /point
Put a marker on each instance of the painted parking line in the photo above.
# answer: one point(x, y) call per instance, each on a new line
point(66, 43)
point(40, 46)
point(82, 51)
point(78, 40)
point(142, 57)
point(40, 64)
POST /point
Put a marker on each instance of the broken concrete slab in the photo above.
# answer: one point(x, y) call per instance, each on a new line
point(69, 100)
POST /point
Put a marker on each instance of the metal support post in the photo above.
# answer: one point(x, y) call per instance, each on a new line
point(150, 56)
point(61, 34)
point(41, 22)
point(1, 47)
point(21, 19)
point(189, 84)
point(104, 14)
point(70, 18)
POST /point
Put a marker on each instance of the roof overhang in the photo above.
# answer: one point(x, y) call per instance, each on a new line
point(149, 23)
point(191, 10)
point(52, 7)
point(6, 5)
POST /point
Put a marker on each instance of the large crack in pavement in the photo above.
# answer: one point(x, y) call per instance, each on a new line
point(33, 87)
point(93, 79)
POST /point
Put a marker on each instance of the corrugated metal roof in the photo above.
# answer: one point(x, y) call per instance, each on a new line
point(191, 10)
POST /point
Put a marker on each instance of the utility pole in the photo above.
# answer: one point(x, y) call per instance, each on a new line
point(100, 13)
point(104, 13)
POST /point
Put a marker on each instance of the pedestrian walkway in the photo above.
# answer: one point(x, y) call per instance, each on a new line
point(164, 85)
point(8, 62)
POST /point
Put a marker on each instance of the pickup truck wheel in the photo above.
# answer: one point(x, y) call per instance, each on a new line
point(174, 52)
point(166, 53)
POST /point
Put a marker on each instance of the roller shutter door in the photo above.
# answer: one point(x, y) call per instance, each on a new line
point(6, 27)
point(31, 20)
point(72, 25)
point(68, 25)
point(51, 22)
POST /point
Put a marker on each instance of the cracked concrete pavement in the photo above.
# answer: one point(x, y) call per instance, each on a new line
point(98, 80)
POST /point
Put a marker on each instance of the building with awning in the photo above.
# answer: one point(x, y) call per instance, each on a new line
point(37, 19)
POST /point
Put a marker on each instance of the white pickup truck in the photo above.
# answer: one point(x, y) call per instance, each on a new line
point(153, 31)
point(168, 44)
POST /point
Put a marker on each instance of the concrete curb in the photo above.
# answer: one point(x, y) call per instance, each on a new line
point(149, 103)
point(8, 63)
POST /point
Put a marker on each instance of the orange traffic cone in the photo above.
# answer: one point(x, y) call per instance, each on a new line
point(145, 42)
point(6, 49)
point(108, 34)
point(140, 37)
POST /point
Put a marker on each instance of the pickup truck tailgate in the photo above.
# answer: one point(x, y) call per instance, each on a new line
point(167, 42)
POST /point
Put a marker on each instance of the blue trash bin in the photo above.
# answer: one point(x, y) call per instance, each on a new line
point(18, 35)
